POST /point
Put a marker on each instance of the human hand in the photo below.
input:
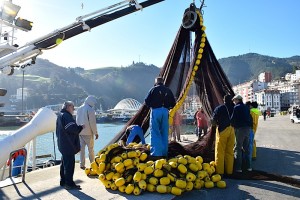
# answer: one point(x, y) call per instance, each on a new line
point(83, 126)
point(96, 136)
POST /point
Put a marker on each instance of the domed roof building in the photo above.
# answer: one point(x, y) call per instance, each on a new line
point(128, 104)
point(124, 110)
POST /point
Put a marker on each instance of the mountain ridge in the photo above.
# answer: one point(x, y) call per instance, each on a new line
point(53, 84)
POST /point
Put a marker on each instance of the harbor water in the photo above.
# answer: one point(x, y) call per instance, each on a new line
point(47, 143)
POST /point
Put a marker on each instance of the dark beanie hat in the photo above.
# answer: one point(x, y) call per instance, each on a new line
point(227, 98)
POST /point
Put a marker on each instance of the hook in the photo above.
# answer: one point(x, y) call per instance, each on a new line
point(202, 4)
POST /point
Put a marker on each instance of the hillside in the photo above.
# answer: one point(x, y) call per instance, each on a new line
point(53, 84)
point(248, 66)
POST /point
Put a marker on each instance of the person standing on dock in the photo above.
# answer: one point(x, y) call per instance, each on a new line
point(159, 99)
point(86, 115)
point(176, 126)
point(202, 123)
point(67, 133)
point(255, 113)
point(225, 137)
point(242, 124)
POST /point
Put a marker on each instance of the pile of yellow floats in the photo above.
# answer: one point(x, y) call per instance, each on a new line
point(132, 172)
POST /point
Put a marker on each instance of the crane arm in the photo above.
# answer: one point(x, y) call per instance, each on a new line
point(34, 48)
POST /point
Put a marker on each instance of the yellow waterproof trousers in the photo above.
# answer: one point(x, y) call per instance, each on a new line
point(224, 150)
point(254, 149)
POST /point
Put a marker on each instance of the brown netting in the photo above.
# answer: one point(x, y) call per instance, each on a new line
point(211, 85)
point(210, 81)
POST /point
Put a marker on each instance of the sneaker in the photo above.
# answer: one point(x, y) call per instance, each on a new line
point(238, 171)
point(82, 168)
point(249, 169)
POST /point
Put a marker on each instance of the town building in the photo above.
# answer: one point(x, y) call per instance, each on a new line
point(248, 89)
point(278, 95)
point(289, 90)
point(265, 77)
point(269, 99)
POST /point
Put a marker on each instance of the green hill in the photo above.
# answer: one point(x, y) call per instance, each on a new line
point(53, 84)
point(248, 66)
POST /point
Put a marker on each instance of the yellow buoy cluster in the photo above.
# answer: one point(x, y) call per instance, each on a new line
point(132, 172)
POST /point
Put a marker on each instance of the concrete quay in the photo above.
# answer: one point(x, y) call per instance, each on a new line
point(278, 152)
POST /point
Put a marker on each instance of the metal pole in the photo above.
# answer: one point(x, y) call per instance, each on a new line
point(23, 71)
point(54, 146)
point(33, 154)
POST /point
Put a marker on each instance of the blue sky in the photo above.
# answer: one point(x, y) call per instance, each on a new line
point(233, 27)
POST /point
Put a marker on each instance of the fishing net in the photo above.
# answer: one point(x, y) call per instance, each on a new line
point(198, 68)
point(189, 65)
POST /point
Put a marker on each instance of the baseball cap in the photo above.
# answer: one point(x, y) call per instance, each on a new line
point(239, 97)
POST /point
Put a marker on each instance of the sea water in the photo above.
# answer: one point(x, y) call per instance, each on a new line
point(47, 143)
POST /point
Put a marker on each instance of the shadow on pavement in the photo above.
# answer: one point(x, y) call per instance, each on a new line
point(277, 161)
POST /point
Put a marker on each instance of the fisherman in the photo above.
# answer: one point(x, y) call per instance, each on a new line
point(133, 131)
point(202, 123)
point(225, 137)
point(248, 157)
point(159, 99)
point(176, 126)
point(67, 133)
point(255, 113)
point(242, 123)
point(86, 115)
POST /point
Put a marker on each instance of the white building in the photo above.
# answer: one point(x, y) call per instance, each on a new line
point(289, 91)
point(269, 99)
point(26, 93)
point(248, 89)
point(266, 92)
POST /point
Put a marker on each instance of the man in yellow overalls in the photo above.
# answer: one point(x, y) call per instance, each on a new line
point(225, 137)
point(255, 113)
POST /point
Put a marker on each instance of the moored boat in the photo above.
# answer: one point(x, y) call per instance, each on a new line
point(13, 120)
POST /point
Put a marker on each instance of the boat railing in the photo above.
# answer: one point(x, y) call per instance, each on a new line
point(7, 178)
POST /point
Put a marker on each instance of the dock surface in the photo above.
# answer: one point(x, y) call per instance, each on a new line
point(278, 152)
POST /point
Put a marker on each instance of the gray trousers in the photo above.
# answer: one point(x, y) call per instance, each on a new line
point(241, 147)
point(86, 140)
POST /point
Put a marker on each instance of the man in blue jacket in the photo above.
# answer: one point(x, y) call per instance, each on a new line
point(67, 132)
point(242, 124)
point(160, 99)
point(133, 131)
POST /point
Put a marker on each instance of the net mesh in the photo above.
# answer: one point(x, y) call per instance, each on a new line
point(185, 65)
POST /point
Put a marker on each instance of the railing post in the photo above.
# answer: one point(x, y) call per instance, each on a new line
point(24, 163)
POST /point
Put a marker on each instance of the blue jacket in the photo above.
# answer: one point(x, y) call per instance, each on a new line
point(222, 115)
point(160, 96)
point(241, 116)
point(67, 133)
